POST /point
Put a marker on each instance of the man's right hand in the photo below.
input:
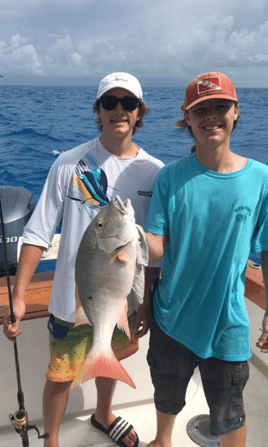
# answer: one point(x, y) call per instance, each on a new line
point(11, 331)
point(29, 258)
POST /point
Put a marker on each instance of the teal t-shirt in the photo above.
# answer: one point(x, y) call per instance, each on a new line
point(213, 221)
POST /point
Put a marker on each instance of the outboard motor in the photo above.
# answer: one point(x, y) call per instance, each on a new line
point(17, 208)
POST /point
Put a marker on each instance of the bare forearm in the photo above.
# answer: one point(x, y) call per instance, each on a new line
point(150, 274)
point(144, 312)
point(263, 340)
point(157, 245)
point(29, 259)
point(264, 264)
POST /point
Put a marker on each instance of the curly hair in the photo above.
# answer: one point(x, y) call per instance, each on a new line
point(139, 123)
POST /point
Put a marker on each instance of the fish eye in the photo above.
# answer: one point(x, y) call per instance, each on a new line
point(99, 224)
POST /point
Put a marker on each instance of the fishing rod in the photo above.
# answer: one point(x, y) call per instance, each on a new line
point(19, 419)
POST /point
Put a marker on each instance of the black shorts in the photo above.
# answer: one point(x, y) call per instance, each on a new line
point(172, 366)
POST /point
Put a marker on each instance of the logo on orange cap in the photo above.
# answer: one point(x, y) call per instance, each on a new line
point(208, 84)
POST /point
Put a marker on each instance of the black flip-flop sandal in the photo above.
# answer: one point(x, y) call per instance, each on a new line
point(117, 430)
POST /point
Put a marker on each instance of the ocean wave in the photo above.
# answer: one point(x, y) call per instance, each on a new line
point(8, 178)
point(57, 152)
point(30, 133)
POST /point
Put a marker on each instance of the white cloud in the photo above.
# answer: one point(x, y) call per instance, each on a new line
point(176, 39)
point(76, 58)
point(251, 47)
point(8, 13)
point(20, 59)
point(63, 45)
point(17, 41)
point(26, 58)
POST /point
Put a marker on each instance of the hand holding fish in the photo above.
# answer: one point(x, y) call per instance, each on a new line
point(142, 320)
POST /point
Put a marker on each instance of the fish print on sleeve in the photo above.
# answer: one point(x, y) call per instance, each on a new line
point(89, 183)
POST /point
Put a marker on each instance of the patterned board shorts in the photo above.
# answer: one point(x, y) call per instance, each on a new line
point(67, 354)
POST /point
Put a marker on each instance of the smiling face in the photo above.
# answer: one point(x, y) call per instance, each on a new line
point(212, 121)
point(118, 122)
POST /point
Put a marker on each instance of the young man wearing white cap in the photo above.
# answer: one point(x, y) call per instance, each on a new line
point(208, 212)
point(79, 183)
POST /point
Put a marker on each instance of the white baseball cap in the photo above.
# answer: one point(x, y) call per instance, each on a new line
point(120, 80)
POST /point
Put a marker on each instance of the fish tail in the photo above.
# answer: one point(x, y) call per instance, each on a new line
point(100, 365)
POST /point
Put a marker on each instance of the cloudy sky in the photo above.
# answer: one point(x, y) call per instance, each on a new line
point(77, 42)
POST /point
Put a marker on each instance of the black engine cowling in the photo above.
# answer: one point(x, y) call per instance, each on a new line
point(17, 208)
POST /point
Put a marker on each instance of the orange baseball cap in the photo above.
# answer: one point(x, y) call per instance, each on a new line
point(206, 86)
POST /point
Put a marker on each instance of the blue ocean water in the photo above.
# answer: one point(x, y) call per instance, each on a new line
point(38, 123)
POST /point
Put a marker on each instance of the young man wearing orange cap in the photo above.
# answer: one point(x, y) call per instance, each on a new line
point(79, 183)
point(208, 212)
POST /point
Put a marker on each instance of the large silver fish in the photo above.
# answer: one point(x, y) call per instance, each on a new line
point(110, 262)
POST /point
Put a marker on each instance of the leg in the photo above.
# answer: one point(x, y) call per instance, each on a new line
point(105, 392)
point(171, 366)
point(165, 423)
point(66, 358)
point(236, 438)
point(55, 398)
point(104, 414)
point(223, 384)
point(122, 347)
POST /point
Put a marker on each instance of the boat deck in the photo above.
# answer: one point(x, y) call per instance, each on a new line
point(77, 431)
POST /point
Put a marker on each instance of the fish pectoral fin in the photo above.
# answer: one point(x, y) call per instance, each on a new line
point(102, 365)
point(122, 323)
point(141, 263)
point(142, 247)
point(80, 316)
point(138, 284)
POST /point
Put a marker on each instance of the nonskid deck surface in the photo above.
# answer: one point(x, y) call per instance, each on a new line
point(78, 431)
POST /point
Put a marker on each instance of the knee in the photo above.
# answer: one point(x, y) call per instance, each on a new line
point(57, 387)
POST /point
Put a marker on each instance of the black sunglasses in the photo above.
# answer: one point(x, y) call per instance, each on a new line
point(128, 103)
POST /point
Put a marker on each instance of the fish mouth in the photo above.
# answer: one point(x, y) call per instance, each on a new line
point(121, 247)
point(122, 207)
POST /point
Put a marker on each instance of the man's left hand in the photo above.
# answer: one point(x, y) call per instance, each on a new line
point(263, 340)
point(142, 322)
